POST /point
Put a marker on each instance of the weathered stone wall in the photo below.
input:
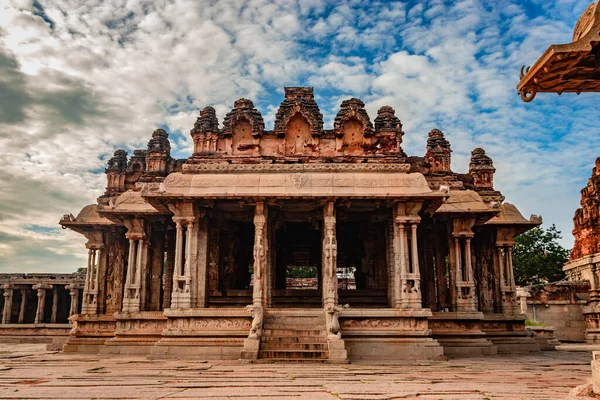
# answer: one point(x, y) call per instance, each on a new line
point(560, 305)
point(566, 318)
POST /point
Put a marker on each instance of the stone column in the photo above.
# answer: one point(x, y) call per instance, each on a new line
point(508, 287)
point(391, 262)
point(23, 305)
point(74, 297)
point(400, 267)
point(252, 343)
point(41, 303)
point(407, 275)
point(465, 300)
point(140, 272)
point(90, 289)
point(330, 282)
point(54, 305)
point(414, 277)
point(131, 298)
point(201, 258)
point(169, 270)
point(181, 296)
point(8, 297)
point(468, 261)
point(260, 254)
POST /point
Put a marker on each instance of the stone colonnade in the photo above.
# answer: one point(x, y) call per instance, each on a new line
point(185, 287)
point(42, 290)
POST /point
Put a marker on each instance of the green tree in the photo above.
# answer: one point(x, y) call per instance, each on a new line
point(538, 257)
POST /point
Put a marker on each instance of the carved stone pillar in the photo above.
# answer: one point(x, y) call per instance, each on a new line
point(329, 272)
point(252, 343)
point(508, 287)
point(95, 246)
point(54, 305)
point(41, 302)
point(169, 270)
point(8, 297)
point(74, 298)
point(260, 254)
point(407, 274)
point(466, 300)
point(201, 258)
point(23, 305)
point(136, 265)
point(185, 272)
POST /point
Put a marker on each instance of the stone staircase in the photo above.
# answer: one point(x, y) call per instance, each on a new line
point(294, 338)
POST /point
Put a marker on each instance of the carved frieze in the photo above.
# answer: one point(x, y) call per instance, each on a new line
point(197, 325)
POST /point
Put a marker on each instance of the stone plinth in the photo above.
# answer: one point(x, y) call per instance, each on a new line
point(545, 337)
point(136, 333)
point(207, 333)
point(54, 335)
point(461, 335)
point(508, 334)
point(90, 332)
point(389, 334)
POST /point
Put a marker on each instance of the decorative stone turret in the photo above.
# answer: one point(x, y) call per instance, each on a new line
point(244, 109)
point(587, 218)
point(299, 100)
point(388, 131)
point(205, 131)
point(352, 109)
point(481, 169)
point(158, 154)
point(438, 152)
point(137, 162)
point(116, 173)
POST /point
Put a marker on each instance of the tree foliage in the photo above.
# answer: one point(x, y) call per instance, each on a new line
point(538, 257)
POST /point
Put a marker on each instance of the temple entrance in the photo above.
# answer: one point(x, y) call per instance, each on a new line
point(297, 259)
point(362, 254)
point(230, 256)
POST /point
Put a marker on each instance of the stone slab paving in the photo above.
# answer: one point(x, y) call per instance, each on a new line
point(30, 372)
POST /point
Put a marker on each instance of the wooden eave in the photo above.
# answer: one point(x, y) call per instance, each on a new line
point(573, 67)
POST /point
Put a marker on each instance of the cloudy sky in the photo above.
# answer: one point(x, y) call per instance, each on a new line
point(79, 79)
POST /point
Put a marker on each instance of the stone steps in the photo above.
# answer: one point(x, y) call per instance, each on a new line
point(294, 354)
point(294, 338)
point(306, 333)
point(294, 346)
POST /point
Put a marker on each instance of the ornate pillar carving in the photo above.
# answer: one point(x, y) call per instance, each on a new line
point(407, 275)
point(330, 282)
point(74, 298)
point(54, 305)
point(8, 298)
point(201, 258)
point(136, 262)
point(465, 299)
point(23, 305)
point(95, 246)
point(508, 289)
point(260, 264)
point(41, 302)
point(185, 272)
point(169, 269)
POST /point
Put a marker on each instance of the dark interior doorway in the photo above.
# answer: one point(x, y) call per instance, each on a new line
point(298, 265)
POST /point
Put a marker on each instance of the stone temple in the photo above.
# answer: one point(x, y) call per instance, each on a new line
point(195, 257)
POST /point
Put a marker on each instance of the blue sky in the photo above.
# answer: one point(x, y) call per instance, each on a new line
point(79, 79)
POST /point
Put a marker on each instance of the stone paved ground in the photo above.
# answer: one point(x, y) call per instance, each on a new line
point(28, 371)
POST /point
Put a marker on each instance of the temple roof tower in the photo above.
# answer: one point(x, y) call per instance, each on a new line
point(299, 100)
